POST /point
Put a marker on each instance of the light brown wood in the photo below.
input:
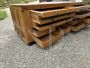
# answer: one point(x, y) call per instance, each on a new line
point(22, 23)
point(38, 20)
point(82, 15)
point(74, 22)
point(48, 40)
point(46, 27)
point(41, 33)
point(63, 10)
point(48, 5)
point(87, 20)
point(78, 26)
point(53, 12)
point(66, 28)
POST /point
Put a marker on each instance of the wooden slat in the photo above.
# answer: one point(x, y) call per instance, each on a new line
point(66, 28)
point(74, 22)
point(48, 40)
point(52, 12)
point(48, 13)
point(78, 27)
point(41, 33)
point(87, 20)
point(82, 15)
point(48, 5)
point(81, 8)
point(36, 19)
point(46, 27)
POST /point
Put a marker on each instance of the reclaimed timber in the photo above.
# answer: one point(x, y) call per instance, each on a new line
point(46, 23)
point(38, 34)
point(81, 8)
point(62, 10)
point(54, 12)
point(48, 40)
point(87, 20)
point(74, 22)
point(82, 15)
point(78, 26)
point(38, 20)
point(46, 27)
point(22, 23)
point(66, 28)
point(48, 5)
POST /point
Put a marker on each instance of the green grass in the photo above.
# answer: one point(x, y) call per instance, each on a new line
point(3, 14)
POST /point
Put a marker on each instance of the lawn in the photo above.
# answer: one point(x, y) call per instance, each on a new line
point(3, 14)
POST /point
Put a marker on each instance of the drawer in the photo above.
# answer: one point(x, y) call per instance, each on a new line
point(48, 40)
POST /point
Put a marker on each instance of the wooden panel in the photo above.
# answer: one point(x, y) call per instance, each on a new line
point(16, 21)
point(48, 40)
point(38, 20)
point(22, 23)
point(46, 27)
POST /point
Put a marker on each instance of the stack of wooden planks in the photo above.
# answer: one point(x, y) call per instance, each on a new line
point(47, 23)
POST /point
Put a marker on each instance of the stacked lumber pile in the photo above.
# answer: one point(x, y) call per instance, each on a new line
point(47, 23)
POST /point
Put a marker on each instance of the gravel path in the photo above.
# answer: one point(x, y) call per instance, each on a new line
point(73, 51)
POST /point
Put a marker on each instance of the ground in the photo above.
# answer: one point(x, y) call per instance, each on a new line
point(73, 51)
